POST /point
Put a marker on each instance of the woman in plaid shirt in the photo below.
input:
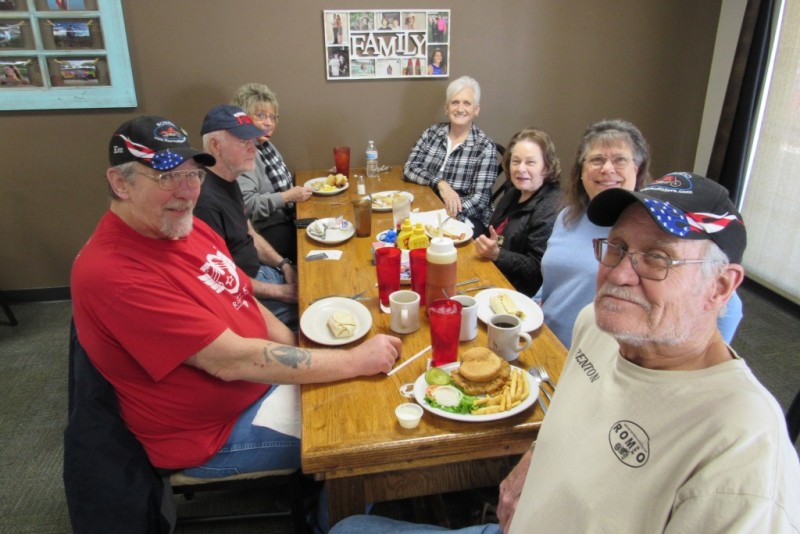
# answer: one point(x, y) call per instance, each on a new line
point(456, 159)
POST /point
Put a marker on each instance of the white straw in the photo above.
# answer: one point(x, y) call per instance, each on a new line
point(411, 359)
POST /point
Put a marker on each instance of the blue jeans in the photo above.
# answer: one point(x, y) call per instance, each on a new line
point(369, 524)
point(251, 448)
point(284, 311)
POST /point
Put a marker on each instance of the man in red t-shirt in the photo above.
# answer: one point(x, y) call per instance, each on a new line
point(167, 317)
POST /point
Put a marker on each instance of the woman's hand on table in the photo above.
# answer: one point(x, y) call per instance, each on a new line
point(376, 355)
point(298, 193)
point(452, 202)
point(511, 489)
point(488, 247)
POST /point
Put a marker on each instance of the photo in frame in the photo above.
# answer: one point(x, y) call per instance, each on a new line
point(72, 34)
point(66, 5)
point(10, 35)
point(78, 71)
point(379, 44)
point(15, 73)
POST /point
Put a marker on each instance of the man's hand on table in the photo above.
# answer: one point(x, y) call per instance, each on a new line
point(377, 355)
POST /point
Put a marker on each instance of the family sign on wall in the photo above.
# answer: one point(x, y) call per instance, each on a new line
point(387, 44)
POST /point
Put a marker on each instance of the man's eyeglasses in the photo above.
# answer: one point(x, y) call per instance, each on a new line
point(170, 181)
point(619, 162)
point(264, 116)
point(646, 265)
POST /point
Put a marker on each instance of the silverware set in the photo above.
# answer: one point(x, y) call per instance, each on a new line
point(539, 374)
point(357, 296)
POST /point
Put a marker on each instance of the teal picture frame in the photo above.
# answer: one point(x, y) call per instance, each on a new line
point(115, 90)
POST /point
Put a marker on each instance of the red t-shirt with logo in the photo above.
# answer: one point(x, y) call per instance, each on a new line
point(142, 306)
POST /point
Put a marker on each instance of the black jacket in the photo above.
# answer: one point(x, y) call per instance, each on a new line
point(525, 237)
point(109, 482)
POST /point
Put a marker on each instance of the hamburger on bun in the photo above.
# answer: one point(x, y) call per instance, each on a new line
point(482, 372)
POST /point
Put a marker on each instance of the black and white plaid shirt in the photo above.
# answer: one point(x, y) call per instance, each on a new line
point(471, 168)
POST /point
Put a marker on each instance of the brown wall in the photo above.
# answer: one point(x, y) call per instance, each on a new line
point(559, 65)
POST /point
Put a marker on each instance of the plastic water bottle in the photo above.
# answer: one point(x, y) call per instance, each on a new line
point(372, 160)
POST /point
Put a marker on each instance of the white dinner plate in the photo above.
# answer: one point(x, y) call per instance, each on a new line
point(382, 201)
point(314, 321)
point(453, 227)
point(322, 179)
point(421, 385)
point(335, 234)
point(533, 313)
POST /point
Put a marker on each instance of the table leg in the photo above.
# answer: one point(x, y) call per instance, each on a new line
point(345, 498)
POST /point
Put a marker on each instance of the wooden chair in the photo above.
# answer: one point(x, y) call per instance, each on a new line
point(109, 482)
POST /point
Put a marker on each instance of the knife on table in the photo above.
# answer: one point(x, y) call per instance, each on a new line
point(542, 403)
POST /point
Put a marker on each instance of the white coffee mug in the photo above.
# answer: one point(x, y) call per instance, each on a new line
point(469, 317)
point(505, 338)
point(404, 310)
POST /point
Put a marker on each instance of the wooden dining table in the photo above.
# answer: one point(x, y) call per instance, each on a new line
point(350, 436)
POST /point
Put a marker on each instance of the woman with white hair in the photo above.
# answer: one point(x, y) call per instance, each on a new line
point(456, 159)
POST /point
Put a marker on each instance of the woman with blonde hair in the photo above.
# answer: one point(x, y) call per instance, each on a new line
point(269, 191)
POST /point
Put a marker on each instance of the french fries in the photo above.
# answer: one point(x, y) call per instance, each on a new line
point(512, 394)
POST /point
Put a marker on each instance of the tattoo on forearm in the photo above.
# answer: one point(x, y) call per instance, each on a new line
point(289, 356)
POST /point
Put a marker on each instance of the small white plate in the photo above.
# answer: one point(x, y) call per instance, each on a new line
point(453, 227)
point(382, 201)
point(322, 179)
point(421, 385)
point(533, 313)
point(334, 235)
point(314, 321)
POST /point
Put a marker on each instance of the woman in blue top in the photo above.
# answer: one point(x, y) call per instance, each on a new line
point(611, 153)
point(437, 65)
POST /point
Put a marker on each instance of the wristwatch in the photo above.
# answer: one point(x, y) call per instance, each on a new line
point(283, 262)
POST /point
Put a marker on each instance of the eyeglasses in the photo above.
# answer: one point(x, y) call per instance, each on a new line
point(170, 181)
point(619, 162)
point(646, 265)
point(264, 116)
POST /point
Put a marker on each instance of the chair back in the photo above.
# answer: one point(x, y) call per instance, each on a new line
point(793, 418)
point(501, 183)
point(109, 482)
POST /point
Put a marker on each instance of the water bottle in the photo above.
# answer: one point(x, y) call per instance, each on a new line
point(372, 160)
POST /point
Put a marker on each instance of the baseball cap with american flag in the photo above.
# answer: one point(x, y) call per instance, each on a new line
point(683, 204)
point(155, 142)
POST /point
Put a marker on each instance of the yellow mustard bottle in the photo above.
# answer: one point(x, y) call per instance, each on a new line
point(418, 238)
point(404, 235)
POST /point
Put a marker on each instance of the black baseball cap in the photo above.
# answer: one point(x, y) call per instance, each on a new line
point(231, 119)
point(683, 204)
point(156, 142)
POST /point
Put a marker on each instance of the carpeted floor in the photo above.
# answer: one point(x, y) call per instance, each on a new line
point(33, 379)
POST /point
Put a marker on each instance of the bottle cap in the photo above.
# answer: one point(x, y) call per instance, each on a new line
point(440, 245)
